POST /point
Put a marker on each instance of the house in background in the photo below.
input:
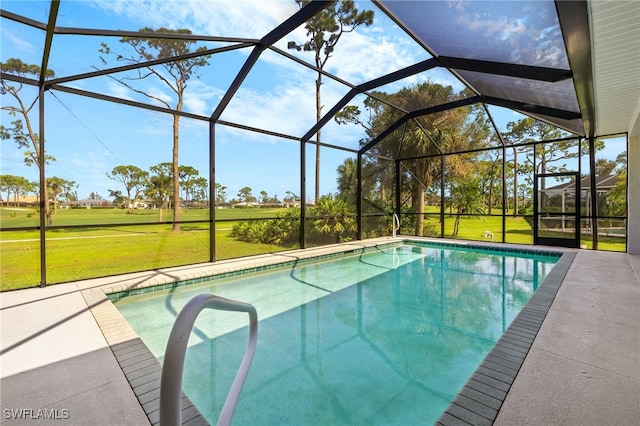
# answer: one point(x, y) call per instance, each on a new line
point(90, 203)
point(562, 198)
point(27, 201)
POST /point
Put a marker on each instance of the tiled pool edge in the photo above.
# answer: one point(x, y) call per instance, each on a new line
point(139, 366)
point(481, 398)
point(277, 260)
point(289, 260)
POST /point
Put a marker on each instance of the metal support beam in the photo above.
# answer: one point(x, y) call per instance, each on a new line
point(212, 192)
point(362, 88)
point(147, 64)
point(398, 194)
point(593, 190)
point(529, 72)
point(48, 39)
point(303, 15)
point(43, 190)
point(303, 193)
point(442, 203)
point(359, 196)
point(505, 198)
point(573, 17)
point(426, 111)
point(532, 109)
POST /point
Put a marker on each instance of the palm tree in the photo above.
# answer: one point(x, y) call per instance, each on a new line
point(424, 138)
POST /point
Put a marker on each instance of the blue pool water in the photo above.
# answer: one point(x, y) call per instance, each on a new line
point(383, 337)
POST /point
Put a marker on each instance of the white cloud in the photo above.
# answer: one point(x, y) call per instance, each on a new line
point(199, 98)
point(227, 18)
point(117, 90)
point(360, 57)
point(17, 42)
point(288, 109)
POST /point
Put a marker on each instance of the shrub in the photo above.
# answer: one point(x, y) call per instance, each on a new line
point(281, 231)
point(333, 220)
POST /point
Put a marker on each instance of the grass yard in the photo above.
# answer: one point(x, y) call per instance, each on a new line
point(89, 252)
point(22, 217)
point(81, 253)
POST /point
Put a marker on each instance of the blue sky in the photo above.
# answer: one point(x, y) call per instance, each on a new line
point(89, 137)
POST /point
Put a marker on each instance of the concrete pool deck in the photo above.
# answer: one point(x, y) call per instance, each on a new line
point(583, 366)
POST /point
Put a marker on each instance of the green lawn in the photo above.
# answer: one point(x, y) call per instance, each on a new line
point(88, 252)
point(21, 217)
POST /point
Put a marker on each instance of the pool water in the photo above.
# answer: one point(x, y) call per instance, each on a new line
point(383, 337)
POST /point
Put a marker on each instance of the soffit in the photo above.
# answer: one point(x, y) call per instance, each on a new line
point(616, 62)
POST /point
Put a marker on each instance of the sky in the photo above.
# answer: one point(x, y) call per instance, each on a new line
point(89, 137)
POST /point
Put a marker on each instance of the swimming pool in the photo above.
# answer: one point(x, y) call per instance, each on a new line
point(382, 337)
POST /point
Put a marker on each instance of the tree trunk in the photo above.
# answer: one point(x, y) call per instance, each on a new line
point(47, 208)
point(543, 184)
point(176, 177)
point(490, 195)
point(129, 202)
point(418, 206)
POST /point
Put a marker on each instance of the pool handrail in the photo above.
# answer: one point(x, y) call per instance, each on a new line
point(173, 365)
point(396, 224)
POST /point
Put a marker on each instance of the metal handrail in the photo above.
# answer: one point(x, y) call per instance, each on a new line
point(173, 365)
point(396, 224)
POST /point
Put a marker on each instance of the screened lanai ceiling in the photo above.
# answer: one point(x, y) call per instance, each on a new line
point(510, 53)
point(534, 57)
point(580, 60)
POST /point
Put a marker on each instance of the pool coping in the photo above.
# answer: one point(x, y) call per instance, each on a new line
point(479, 400)
point(138, 364)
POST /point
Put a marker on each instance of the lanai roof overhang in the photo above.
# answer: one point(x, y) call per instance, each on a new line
point(495, 64)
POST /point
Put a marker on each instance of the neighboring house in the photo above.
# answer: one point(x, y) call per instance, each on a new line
point(90, 203)
point(562, 197)
point(22, 201)
point(566, 191)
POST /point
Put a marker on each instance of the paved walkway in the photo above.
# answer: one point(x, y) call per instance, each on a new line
point(584, 365)
point(583, 368)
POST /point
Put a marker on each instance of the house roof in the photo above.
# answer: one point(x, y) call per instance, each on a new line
point(24, 199)
point(602, 182)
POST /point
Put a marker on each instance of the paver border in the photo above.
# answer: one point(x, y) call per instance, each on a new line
point(140, 367)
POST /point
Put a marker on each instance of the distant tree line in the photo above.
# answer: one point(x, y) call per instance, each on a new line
point(59, 190)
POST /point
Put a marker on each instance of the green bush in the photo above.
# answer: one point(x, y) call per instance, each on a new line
point(333, 220)
point(280, 231)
